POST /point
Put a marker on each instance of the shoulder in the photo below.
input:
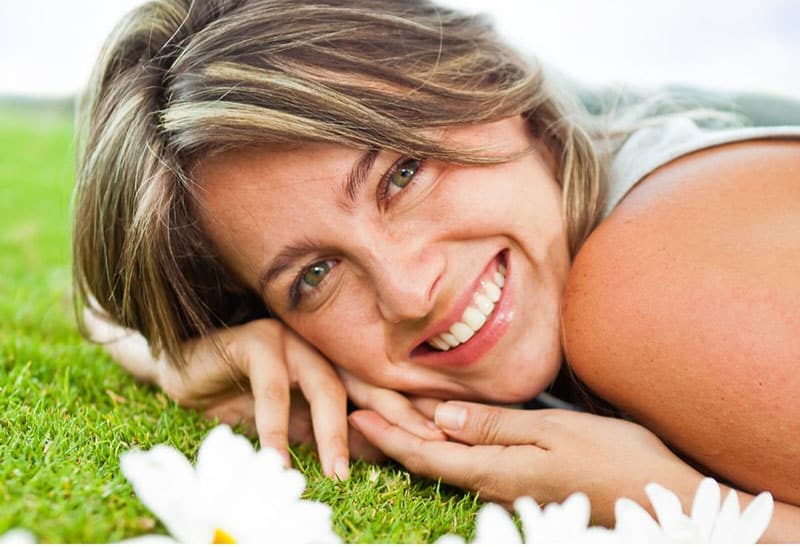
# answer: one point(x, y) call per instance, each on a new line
point(684, 300)
point(709, 219)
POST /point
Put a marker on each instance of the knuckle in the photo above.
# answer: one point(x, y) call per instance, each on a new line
point(416, 463)
point(337, 441)
point(335, 390)
point(486, 483)
point(273, 392)
point(502, 484)
point(274, 439)
point(487, 425)
point(174, 387)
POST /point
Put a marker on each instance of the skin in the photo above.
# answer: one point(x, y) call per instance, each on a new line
point(396, 271)
point(716, 379)
point(701, 261)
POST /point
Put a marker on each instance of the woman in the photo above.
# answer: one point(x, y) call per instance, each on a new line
point(381, 200)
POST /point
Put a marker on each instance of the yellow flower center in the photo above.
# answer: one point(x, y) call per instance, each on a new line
point(221, 536)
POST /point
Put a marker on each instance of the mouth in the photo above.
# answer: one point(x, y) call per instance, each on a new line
point(478, 321)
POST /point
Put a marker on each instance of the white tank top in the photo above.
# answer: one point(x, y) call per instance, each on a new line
point(649, 148)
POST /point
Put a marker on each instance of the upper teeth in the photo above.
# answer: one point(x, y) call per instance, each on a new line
point(475, 315)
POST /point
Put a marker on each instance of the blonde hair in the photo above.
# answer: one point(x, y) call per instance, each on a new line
point(179, 79)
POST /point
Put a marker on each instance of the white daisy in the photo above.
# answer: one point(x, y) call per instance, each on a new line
point(708, 522)
point(17, 536)
point(557, 523)
point(234, 494)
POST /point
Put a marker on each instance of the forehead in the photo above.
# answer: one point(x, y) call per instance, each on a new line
point(271, 168)
point(252, 200)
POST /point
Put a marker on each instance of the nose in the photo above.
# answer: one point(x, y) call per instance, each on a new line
point(407, 283)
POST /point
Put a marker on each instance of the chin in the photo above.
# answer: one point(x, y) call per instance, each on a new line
point(524, 383)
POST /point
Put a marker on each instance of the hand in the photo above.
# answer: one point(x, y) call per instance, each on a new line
point(265, 385)
point(546, 454)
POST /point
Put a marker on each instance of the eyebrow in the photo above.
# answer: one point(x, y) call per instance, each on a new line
point(292, 252)
point(357, 177)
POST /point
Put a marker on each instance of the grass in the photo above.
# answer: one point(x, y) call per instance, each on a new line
point(69, 412)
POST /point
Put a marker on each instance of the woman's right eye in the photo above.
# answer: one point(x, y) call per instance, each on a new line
point(310, 279)
point(315, 273)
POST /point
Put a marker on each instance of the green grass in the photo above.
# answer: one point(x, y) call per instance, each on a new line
point(69, 412)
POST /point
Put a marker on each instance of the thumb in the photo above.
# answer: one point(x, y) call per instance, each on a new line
point(474, 423)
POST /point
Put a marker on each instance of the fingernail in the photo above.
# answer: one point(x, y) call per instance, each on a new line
point(450, 417)
point(287, 459)
point(341, 469)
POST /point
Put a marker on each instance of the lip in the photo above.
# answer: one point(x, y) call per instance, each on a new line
point(482, 341)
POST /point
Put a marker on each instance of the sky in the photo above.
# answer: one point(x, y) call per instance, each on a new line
point(47, 47)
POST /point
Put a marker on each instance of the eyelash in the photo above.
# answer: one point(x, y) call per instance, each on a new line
point(295, 294)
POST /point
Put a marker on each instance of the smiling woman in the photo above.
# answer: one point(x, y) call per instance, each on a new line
point(411, 291)
point(384, 203)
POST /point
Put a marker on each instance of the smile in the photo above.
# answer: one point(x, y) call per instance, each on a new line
point(475, 315)
point(479, 319)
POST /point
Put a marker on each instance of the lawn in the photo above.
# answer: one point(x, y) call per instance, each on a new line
point(69, 412)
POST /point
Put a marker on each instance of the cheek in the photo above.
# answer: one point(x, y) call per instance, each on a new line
point(517, 199)
point(347, 333)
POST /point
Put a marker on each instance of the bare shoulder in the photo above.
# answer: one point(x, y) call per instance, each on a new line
point(683, 309)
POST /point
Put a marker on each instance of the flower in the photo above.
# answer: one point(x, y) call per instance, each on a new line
point(18, 536)
point(557, 523)
point(569, 522)
point(708, 522)
point(234, 494)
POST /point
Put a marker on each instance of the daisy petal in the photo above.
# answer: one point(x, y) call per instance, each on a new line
point(726, 528)
point(17, 536)
point(221, 457)
point(576, 511)
point(634, 524)
point(705, 507)
point(755, 518)
point(164, 481)
point(530, 515)
point(666, 505)
point(494, 525)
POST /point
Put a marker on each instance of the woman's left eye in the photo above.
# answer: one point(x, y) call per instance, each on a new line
point(399, 176)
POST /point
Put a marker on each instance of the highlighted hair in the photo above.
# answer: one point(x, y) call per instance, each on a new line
point(180, 79)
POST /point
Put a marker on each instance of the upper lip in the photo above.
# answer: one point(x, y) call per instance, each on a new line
point(456, 310)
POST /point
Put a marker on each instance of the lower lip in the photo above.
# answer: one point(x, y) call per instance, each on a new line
point(482, 341)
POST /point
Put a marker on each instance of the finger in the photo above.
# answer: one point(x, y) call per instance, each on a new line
point(469, 467)
point(269, 381)
point(426, 406)
point(327, 399)
point(209, 375)
point(393, 406)
point(478, 424)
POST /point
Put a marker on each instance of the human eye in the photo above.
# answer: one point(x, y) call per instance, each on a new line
point(309, 280)
point(398, 177)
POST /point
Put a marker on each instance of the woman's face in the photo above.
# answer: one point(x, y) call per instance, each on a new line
point(429, 278)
